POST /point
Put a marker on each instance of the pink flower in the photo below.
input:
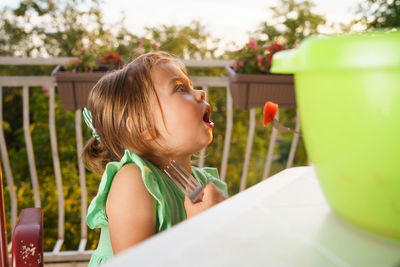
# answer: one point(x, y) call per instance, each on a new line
point(252, 43)
point(76, 60)
point(262, 68)
point(269, 60)
point(155, 44)
point(45, 89)
point(73, 70)
point(241, 63)
point(141, 43)
point(259, 59)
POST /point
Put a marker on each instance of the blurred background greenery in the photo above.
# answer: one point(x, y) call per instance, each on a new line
point(64, 27)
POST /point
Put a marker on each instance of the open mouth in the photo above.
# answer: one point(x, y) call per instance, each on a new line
point(206, 117)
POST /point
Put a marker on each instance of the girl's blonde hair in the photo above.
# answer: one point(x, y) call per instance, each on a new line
point(117, 96)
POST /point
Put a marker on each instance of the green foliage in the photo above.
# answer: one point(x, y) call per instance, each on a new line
point(291, 22)
point(69, 31)
point(146, 45)
point(254, 58)
point(68, 159)
point(379, 13)
point(83, 61)
point(56, 28)
point(184, 41)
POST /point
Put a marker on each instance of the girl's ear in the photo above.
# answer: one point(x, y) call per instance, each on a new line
point(129, 125)
point(145, 134)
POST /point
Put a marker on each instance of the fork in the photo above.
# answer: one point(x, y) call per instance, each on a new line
point(277, 125)
point(184, 180)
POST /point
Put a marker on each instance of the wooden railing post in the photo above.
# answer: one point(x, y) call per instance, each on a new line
point(3, 234)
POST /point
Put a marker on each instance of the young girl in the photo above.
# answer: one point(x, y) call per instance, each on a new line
point(142, 117)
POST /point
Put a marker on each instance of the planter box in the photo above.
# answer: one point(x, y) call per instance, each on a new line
point(253, 90)
point(74, 87)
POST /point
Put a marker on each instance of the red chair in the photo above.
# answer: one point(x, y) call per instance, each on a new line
point(27, 239)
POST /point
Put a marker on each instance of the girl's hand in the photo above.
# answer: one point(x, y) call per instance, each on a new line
point(209, 197)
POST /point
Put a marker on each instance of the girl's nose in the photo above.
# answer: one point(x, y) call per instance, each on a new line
point(200, 95)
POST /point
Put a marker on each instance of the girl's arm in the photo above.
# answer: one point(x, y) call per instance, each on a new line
point(130, 209)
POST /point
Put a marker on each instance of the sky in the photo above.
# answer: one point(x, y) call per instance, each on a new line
point(228, 20)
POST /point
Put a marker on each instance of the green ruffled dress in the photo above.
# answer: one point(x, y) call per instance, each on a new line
point(169, 207)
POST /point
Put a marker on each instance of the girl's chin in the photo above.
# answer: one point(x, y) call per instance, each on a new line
point(211, 138)
point(204, 145)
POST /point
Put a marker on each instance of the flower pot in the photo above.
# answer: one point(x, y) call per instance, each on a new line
point(253, 90)
point(74, 87)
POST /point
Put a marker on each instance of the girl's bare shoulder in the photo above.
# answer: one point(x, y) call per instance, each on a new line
point(128, 172)
point(127, 187)
point(129, 207)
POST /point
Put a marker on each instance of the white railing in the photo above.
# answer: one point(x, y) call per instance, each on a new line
point(25, 82)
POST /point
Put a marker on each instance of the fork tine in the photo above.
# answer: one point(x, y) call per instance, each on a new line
point(179, 178)
point(182, 176)
point(188, 175)
point(184, 180)
point(177, 182)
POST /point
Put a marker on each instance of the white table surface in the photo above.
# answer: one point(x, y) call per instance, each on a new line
point(282, 221)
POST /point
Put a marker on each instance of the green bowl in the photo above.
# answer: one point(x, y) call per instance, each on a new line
point(348, 96)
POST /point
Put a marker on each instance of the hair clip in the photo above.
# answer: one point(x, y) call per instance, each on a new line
point(87, 116)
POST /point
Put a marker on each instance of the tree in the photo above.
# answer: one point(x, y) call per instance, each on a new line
point(61, 26)
point(47, 27)
point(380, 13)
point(190, 41)
point(291, 22)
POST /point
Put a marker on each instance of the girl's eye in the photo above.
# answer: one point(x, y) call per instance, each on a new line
point(180, 88)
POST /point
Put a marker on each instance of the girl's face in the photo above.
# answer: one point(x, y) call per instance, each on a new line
point(186, 128)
